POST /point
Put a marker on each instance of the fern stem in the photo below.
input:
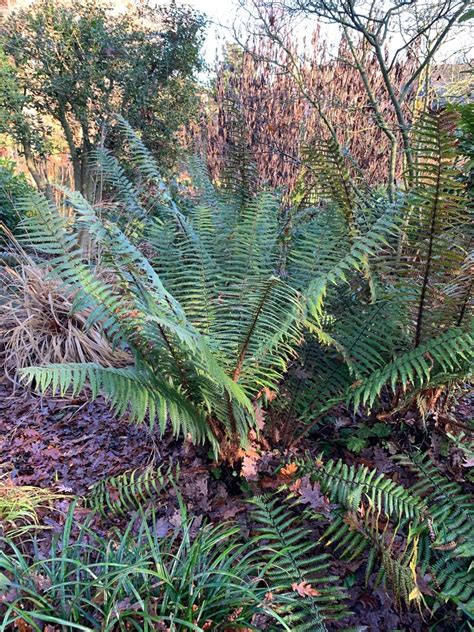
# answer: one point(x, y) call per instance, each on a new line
point(464, 305)
point(424, 287)
point(246, 342)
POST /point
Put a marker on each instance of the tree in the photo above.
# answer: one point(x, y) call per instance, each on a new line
point(17, 120)
point(388, 35)
point(288, 101)
point(13, 186)
point(69, 66)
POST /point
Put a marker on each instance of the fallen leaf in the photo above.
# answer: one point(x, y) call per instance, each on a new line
point(259, 417)
point(351, 520)
point(289, 470)
point(235, 614)
point(270, 395)
point(296, 485)
point(41, 582)
point(249, 465)
point(176, 518)
point(23, 626)
point(310, 494)
point(304, 589)
point(162, 526)
point(446, 547)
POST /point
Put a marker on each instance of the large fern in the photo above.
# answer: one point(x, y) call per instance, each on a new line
point(424, 530)
point(436, 224)
point(392, 308)
point(215, 311)
point(235, 296)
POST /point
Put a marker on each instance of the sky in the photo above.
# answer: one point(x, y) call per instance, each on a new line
point(219, 12)
point(223, 13)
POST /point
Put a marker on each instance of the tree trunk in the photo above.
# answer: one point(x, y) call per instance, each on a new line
point(40, 180)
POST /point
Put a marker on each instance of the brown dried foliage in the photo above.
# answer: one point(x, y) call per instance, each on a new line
point(278, 102)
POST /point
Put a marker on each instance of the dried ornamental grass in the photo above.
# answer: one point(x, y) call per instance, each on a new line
point(20, 506)
point(38, 325)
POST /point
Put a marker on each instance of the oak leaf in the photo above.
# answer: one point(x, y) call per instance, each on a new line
point(304, 589)
point(289, 470)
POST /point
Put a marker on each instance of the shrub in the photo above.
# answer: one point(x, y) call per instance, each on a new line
point(86, 66)
point(13, 186)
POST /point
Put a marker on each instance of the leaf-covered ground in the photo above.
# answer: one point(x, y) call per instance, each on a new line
point(68, 446)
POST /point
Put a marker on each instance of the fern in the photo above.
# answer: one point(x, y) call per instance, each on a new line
point(235, 296)
point(450, 520)
point(362, 248)
point(435, 224)
point(134, 489)
point(411, 263)
point(370, 502)
point(291, 561)
point(453, 582)
point(111, 171)
point(205, 339)
point(419, 367)
point(426, 529)
point(331, 181)
point(451, 511)
point(211, 317)
point(355, 486)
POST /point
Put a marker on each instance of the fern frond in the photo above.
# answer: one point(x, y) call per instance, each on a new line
point(451, 529)
point(362, 249)
point(128, 390)
point(109, 168)
point(117, 495)
point(317, 245)
point(453, 581)
point(426, 529)
point(353, 487)
point(143, 160)
point(437, 215)
point(350, 346)
point(291, 561)
point(447, 353)
point(331, 181)
point(451, 511)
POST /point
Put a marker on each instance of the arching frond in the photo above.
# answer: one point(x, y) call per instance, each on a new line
point(124, 189)
point(129, 391)
point(444, 354)
point(437, 216)
point(117, 495)
point(352, 486)
point(291, 564)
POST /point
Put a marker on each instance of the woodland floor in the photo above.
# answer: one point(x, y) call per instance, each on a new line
point(68, 446)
